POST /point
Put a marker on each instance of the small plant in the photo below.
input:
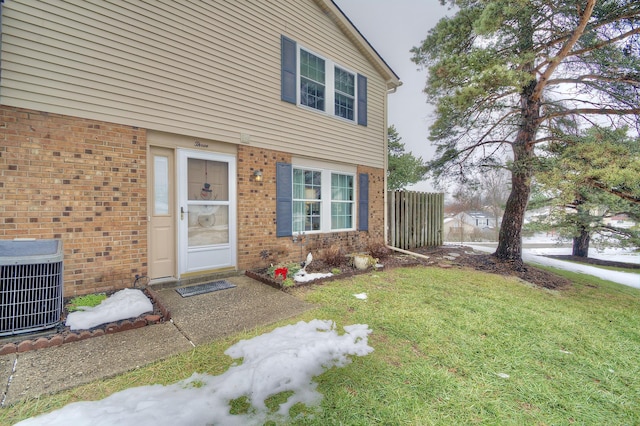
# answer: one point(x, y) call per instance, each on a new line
point(291, 268)
point(378, 250)
point(89, 300)
point(289, 282)
point(333, 255)
point(336, 271)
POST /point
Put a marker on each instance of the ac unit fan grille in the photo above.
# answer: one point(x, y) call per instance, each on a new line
point(30, 297)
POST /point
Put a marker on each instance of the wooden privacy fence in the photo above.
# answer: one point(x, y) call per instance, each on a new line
point(416, 219)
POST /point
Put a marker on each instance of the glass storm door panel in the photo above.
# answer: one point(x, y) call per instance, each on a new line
point(206, 211)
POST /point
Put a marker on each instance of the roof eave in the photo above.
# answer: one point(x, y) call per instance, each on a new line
point(352, 32)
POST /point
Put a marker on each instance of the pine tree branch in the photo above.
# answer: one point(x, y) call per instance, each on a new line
point(622, 194)
point(585, 15)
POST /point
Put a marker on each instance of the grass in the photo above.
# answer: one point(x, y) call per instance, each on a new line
point(89, 300)
point(451, 347)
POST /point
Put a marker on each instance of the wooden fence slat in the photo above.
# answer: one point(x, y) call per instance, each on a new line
point(415, 218)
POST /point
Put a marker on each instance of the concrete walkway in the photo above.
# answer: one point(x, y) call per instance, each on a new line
point(195, 320)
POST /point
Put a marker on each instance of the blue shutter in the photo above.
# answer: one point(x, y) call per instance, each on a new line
point(284, 200)
point(362, 100)
point(288, 70)
point(363, 202)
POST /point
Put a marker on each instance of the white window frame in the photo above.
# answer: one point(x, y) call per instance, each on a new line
point(326, 170)
point(329, 85)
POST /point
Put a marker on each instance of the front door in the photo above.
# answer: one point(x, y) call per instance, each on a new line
point(206, 211)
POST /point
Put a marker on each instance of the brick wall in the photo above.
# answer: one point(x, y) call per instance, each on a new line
point(81, 181)
point(258, 245)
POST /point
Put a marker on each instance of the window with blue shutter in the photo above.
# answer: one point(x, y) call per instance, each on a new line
point(323, 85)
point(284, 201)
point(363, 202)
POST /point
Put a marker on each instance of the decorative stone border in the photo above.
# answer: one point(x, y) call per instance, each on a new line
point(75, 336)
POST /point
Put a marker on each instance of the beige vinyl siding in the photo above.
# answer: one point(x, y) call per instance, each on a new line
point(201, 69)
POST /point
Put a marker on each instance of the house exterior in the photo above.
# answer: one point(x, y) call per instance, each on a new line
point(185, 138)
point(470, 226)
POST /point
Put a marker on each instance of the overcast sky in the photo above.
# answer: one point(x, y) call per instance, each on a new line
point(393, 28)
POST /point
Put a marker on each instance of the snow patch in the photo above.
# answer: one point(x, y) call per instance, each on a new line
point(303, 278)
point(127, 303)
point(285, 359)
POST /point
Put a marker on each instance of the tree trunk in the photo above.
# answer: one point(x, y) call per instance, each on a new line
point(510, 235)
point(581, 243)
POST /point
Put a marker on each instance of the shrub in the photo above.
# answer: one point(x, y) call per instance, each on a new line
point(378, 250)
point(332, 256)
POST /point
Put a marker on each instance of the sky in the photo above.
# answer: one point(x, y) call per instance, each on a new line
point(393, 28)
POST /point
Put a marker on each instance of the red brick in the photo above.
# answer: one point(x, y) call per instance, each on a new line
point(9, 348)
point(139, 323)
point(41, 343)
point(71, 337)
point(25, 345)
point(56, 340)
point(84, 334)
point(111, 328)
point(152, 319)
point(125, 325)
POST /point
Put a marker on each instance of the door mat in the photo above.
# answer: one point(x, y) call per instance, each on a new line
point(204, 288)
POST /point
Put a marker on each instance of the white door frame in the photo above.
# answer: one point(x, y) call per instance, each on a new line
point(212, 257)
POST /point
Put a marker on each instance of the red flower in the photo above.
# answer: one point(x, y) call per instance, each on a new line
point(282, 272)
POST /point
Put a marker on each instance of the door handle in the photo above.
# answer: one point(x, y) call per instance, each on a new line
point(182, 212)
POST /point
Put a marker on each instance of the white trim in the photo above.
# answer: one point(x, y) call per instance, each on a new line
point(329, 86)
point(200, 255)
point(327, 169)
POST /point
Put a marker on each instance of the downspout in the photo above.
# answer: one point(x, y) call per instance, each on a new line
point(386, 162)
point(386, 166)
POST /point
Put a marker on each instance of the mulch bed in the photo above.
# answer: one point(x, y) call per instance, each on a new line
point(441, 256)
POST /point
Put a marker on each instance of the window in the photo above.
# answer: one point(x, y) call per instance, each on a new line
point(345, 94)
point(326, 87)
point(322, 200)
point(316, 196)
point(307, 200)
point(312, 78)
point(312, 81)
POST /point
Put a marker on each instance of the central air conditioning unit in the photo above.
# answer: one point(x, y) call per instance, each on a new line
point(31, 285)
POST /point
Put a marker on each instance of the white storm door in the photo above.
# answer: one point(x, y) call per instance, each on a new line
point(206, 211)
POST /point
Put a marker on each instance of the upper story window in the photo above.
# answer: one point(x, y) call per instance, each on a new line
point(345, 94)
point(312, 81)
point(326, 87)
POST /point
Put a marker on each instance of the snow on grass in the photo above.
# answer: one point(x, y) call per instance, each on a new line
point(127, 303)
point(284, 360)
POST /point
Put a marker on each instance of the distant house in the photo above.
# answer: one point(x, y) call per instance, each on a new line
point(619, 221)
point(186, 138)
point(469, 226)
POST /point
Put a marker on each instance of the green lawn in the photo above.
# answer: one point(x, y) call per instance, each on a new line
point(451, 347)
